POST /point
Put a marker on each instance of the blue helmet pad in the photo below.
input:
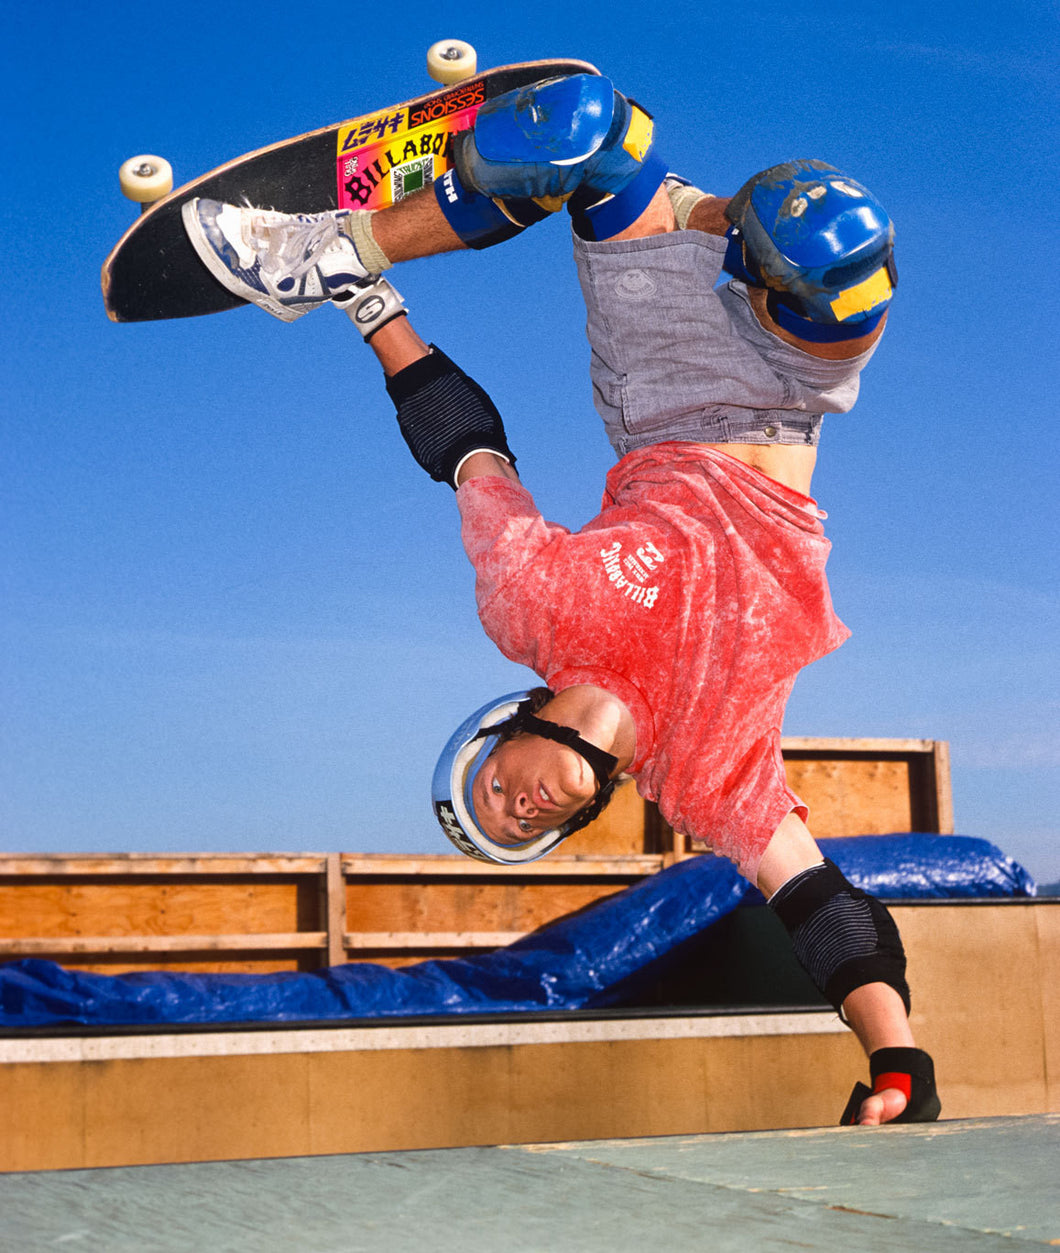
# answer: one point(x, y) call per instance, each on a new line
point(813, 232)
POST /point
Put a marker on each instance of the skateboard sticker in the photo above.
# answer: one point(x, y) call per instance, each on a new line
point(387, 156)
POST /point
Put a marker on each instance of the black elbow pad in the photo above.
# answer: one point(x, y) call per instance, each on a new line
point(842, 936)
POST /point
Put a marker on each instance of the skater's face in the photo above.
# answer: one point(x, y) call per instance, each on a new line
point(529, 785)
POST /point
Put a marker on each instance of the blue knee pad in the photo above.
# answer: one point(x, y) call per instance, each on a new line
point(479, 221)
point(822, 244)
point(544, 145)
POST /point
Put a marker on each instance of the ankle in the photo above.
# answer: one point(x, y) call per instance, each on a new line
point(357, 226)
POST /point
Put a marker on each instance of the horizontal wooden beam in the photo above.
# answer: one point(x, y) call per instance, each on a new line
point(30, 946)
point(837, 747)
point(430, 939)
point(442, 864)
point(126, 865)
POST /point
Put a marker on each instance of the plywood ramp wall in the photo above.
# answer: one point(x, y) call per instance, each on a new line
point(198, 1108)
point(985, 979)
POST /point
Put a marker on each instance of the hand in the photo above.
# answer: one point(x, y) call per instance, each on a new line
point(370, 305)
point(881, 1107)
point(882, 1103)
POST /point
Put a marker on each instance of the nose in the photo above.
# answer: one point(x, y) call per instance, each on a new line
point(524, 806)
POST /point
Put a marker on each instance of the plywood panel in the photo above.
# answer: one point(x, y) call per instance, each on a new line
point(459, 904)
point(410, 1098)
point(853, 797)
point(780, 1081)
point(420, 1099)
point(620, 829)
point(42, 1126)
point(557, 1088)
point(189, 1109)
point(977, 978)
point(208, 1108)
point(155, 906)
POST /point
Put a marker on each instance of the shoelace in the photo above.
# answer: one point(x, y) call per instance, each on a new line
point(301, 243)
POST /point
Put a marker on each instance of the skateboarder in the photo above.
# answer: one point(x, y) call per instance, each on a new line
point(670, 629)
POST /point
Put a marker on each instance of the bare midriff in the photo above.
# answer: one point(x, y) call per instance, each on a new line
point(789, 464)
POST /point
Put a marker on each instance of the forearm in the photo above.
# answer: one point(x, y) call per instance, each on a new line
point(848, 943)
point(450, 424)
point(397, 345)
point(878, 1018)
point(483, 463)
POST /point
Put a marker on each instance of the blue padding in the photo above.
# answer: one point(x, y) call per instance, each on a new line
point(928, 867)
point(475, 219)
point(558, 121)
point(568, 965)
point(822, 332)
point(604, 220)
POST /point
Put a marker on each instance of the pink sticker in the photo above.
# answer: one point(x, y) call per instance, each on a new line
point(388, 156)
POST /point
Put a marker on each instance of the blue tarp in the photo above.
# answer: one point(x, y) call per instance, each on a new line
point(567, 965)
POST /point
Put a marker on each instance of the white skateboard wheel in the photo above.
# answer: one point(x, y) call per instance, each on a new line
point(146, 178)
point(451, 60)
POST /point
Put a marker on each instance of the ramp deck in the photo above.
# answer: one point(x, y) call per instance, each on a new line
point(968, 1185)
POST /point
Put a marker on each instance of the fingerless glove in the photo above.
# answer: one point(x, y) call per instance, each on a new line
point(911, 1071)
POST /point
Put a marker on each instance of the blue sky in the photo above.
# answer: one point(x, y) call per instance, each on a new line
point(237, 616)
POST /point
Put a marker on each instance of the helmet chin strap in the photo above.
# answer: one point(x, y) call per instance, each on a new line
point(600, 762)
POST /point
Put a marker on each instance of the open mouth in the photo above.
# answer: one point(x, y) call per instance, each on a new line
point(542, 797)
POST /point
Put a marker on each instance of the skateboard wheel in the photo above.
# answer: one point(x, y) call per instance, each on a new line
point(145, 178)
point(451, 60)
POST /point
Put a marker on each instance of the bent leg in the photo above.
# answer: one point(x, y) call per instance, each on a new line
point(572, 141)
point(413, 228)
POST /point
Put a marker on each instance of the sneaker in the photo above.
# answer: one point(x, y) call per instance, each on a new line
point(285, 263)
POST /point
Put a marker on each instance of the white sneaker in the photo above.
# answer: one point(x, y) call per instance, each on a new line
point(285, 263)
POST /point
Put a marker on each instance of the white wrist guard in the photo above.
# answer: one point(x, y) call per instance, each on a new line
point(372, 306)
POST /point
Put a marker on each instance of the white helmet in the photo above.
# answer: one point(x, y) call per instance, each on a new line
point(466, 752)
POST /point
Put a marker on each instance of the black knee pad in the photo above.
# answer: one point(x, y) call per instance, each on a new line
point(843, 937)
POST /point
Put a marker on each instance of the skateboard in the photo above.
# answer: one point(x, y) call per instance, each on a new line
point(368, 162)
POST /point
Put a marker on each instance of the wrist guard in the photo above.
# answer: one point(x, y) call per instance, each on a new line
point(843, 937)
point(445, 416)
point(371, 307)
point(910, 1071)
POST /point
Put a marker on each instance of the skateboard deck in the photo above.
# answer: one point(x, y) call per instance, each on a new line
point(368, 162)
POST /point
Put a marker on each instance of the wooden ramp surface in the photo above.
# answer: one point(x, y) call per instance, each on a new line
point(968, 1185)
